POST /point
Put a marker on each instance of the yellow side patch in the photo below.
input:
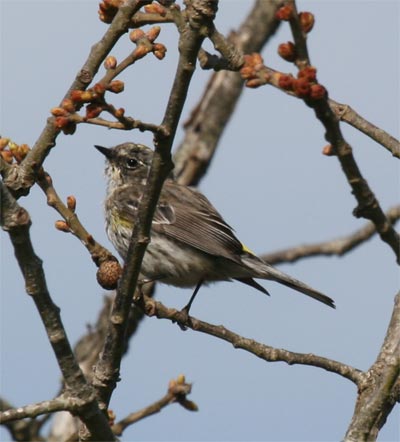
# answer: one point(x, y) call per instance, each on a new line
point(247, 250)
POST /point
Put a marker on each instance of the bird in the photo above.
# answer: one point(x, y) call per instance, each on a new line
point(191, 244)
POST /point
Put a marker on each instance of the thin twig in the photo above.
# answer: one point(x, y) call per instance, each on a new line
point(337, 246)
point(269, 354)
point(347, 114)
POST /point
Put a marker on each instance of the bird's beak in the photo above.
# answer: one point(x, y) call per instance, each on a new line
point(108, 153)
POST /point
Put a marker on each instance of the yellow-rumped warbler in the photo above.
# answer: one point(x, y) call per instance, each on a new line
point(190, 242)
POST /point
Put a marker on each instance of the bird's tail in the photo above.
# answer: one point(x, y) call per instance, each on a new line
point(264, 270)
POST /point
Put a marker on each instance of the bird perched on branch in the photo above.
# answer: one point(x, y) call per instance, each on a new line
point(191, 244)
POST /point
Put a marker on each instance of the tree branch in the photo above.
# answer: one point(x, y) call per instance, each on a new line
point(211, 115)
point(338, 246)
point(347, 114)
point(16, 221)
point(379, 390)
point(21, 178)
point(177, 391)
point(199, 13)
point(269, 354)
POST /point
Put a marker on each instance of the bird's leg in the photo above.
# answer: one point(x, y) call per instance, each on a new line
point(184, 313)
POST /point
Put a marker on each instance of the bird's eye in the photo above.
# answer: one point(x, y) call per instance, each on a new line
point(131, 163)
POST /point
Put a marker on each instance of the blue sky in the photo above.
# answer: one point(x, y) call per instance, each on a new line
point(270, 182)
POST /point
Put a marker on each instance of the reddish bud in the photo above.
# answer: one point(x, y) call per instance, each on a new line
point(309, 73)
point(136, 35)
point(155, 8)
point(116, 86)
point(159, 50)
point(254, 83)
point(285, 82)
point(284, 13)
point(81, 96)
point(108, 274)
point(58, 112)
point(61, 122)
point(7, 156)
point(68, 105)
point(99, 88)
point(93, 110)
point(3, 143)
point(307, 21)
point(287, 51)
point(110, 62)
point(62, 226)
point(318, 92)
point(71, 203)
point(119, 113)
point(69, 129)
point(247, 72)
point(153, 33)
point(301, 87)
point(328, 150)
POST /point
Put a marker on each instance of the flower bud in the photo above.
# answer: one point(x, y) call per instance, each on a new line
point(285, 82)
point(116, 86)
point(317, 92)
point(155, 8)
point(68, 105)
point(58, 112)
point(136, 35)
point(71, 203)
point(153, 33)
point(301, 87)
point(62, 226)
point(110, 62)
point(287, 51)
point(307, 21)
point(284, 13)
point(159, 50)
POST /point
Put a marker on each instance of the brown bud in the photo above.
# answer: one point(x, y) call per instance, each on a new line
point(247, 72)
point(153, 33)
point(110, 62)
point(159, 50)
point(307, 21)
point(99, 88)
point(116, 86)
point(68, 105)
point(317, 92)
point(81, 96)
point(284, 13)
point(119, 112)
point(111, 417)
point(189, 405)
point(301, 87)
point(61, 122)
point(108, 274)
point(69, 129)
point(71, 203)
point(181, 379)
point(3, 143)
point(155, 8)
point(254, 83)
point(58, 112)
point(7, 156)
point(93, 110)
point(136, 35)
point(328, 150)
point(20, 152)
point(309, 72)
point(62, 226)
point(285, 82)
point(287, 51)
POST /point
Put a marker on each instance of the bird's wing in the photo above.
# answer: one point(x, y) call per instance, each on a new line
point(187, 216)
